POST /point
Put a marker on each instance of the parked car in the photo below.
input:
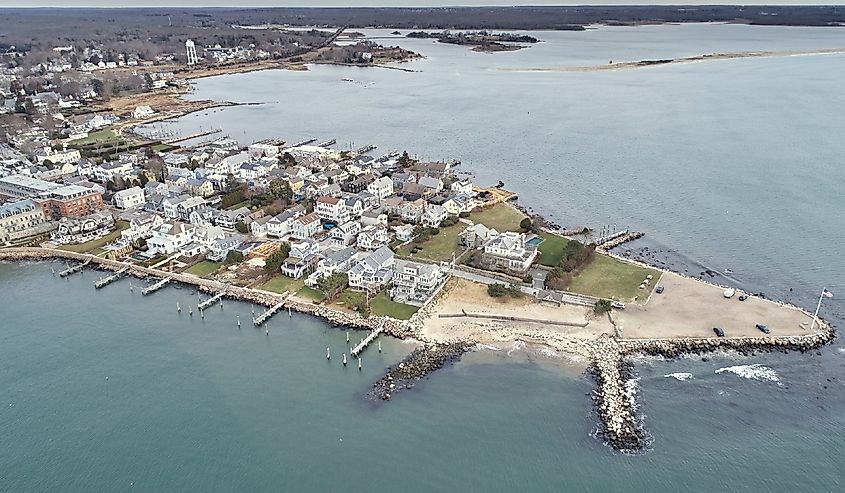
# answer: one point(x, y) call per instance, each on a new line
point(658, 289)
point(719, 332)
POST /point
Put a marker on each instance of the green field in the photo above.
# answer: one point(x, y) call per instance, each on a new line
point(607, 277)
point(551, 249)
point(500, 217)
point(104, 136)
point(204, 268)
point(280, 284)
point(380, 304)
point(439, 247)
point(99, 243)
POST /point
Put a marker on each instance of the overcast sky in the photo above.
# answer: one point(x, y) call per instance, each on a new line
point(360, 3)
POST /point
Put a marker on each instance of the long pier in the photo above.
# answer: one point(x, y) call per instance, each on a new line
point(257, 321)
point(195, 135)
point(105, 281)
point(304, 143)
point(328, 143)
point(211, 301)
point(155, 287)
point(367, 340)
point(363, 150)
point(74, 269)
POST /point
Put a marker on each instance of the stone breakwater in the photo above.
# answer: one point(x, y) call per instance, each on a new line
point(417, 365)
point(337, 318)
point(619, 425)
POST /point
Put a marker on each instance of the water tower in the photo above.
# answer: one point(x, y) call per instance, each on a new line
point(192, 52)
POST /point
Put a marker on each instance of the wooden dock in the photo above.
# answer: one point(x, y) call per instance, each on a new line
point(328, 143)
point(105, 281)
point(257, 321)
point(211, 301)
point(367, 340)
point(73, 270)
point(155, 287)
point(363, 150)
point(195, 135)
point(304, 143)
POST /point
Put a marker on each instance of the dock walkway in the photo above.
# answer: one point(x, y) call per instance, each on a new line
point(257, 321)
point(155, 287)
point(367, 340)
point(211, 301)
point(74, 269)
point(105, 281)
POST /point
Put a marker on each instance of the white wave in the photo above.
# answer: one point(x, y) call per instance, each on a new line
point(753, 372)
point(516, 347)
point(631, 387)
point(488, 347)
point(841, 350)
point(679, 376)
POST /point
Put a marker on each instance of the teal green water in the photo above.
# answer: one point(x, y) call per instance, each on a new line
point(112, 391)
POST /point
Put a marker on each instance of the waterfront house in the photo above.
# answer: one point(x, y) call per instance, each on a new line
point(510, 252)
point(462, 186)
point(373, 272)
point(331, 262)
point(476, 235)
point(141, 226)
point(303, 258)
point(22, 219)
point(170, 237)
point(82, 229)
point(221, 247)
point(415, 282)
point(459, 203)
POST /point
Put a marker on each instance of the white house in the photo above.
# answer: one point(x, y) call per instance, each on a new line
point(112, 169)
point(281, 224)
point(434, 214)
point(141, 226)
point(509, 251)
point(306, 226)
point(129, 198)
point(332, 209)
point(381, 188)
point(333, 261)
point(142, 112)
point(415, 282)
point(462, 186)
point(345, 234)
point(373, 238)
point(302, 259)
point(373, 272)
point(170, 237)
point(459, 203)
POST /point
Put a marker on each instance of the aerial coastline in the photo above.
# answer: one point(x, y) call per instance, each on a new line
point(548, 290)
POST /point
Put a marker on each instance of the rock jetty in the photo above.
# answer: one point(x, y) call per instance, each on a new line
point(619, 425)
point(417, 365)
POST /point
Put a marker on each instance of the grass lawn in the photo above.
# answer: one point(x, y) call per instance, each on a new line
point(607, 277)
point(380, 304)
point(280, 284)
point(103, 136)
point(204, 268)
point(162, 147)
point(501, 217)
point(95, 244)
point(310, 294)
point(438, 247)
point(551, 249)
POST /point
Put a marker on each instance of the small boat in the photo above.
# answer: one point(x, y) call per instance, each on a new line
point(742, 297)
point(719, 332)
point(729, 293)
point(762, 328)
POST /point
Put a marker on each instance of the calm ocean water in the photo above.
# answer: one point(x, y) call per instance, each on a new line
point(735, 164)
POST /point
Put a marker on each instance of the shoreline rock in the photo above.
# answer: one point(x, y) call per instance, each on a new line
point(417, 365)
